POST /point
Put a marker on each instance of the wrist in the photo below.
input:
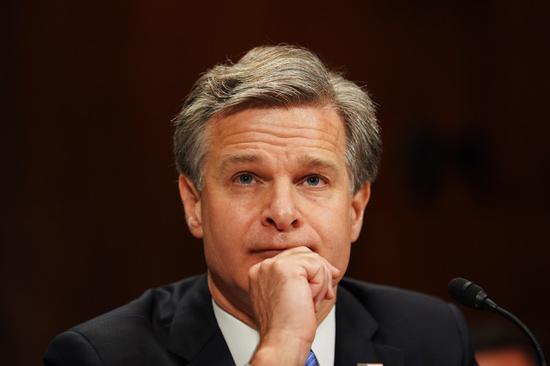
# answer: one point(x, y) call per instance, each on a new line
point(281, 349)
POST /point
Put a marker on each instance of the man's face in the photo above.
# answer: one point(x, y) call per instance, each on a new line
point(274, 179)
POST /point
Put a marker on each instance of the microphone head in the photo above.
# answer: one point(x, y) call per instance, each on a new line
point(467, 293)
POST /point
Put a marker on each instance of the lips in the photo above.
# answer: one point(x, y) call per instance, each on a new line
point(267, 253)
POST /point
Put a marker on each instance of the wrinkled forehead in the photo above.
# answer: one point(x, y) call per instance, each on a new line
point(295, 126)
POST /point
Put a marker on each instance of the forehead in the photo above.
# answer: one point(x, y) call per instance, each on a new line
point(309, 129)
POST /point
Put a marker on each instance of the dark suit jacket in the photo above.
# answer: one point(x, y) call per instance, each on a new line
point(175, 325)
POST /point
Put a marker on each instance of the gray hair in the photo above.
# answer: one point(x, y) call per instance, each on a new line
point(273, 76)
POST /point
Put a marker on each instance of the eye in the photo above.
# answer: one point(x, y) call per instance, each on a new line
point(244, 179)
point(314, 181)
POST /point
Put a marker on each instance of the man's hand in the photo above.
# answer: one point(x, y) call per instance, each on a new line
point(290, 293)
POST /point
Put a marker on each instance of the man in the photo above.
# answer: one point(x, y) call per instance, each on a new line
point(276, 156)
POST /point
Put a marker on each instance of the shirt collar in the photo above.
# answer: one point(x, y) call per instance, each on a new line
point(242, 339)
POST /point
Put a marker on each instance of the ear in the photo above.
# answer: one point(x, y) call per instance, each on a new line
point(358, 203)
point(191, 200)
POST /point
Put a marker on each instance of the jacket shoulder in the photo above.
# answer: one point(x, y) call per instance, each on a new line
point(418, 323)
point(396, 307)
point(135, 331)
point(155, 306)
point(382, 299)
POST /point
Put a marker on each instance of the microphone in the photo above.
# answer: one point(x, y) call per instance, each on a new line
point(469, 294)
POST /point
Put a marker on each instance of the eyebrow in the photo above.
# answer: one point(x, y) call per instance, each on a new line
point(314, 162)
point(238, 158)
point(306, 161)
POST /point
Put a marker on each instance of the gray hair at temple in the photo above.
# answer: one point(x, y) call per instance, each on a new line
point(275, 76)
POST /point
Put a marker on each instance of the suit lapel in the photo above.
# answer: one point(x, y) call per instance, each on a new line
point(355, 331)
point(194, 334)
point(195, 337)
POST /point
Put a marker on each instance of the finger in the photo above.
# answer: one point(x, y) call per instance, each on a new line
point(320, 273)
point(326, 285)
point(330, 292)
point(332, 274)
point(294, 251)
point(332, 278)
point(327, 290)
point(317, 281)
point(335, 272)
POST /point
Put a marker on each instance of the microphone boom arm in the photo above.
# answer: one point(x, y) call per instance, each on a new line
point(514, 319)
point(469, 294)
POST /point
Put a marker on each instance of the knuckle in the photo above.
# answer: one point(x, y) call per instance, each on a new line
point(314, 259)
point(253, 271)
point(278, 266)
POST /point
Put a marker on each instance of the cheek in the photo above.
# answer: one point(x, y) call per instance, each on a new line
point(334, 228)
point(221, 215)
point(225, 226)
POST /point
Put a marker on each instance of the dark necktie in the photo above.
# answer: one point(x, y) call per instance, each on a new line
point(311, 360)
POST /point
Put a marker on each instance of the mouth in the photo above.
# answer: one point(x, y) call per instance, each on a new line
point(267, 253)
point(272, 251)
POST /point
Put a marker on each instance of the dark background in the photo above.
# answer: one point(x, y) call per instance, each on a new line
point(90, 211)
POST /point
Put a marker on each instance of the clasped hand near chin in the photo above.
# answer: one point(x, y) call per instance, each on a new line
point(290, 293)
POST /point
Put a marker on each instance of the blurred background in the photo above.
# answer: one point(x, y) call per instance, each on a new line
point(90, 211)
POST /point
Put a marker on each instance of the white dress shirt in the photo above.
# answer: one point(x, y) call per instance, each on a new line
point(242, 339)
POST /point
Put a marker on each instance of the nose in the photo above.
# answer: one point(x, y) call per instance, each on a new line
point(280, 209)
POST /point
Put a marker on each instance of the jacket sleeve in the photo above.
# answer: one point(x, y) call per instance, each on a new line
point(71, 348)
point(468, 355)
